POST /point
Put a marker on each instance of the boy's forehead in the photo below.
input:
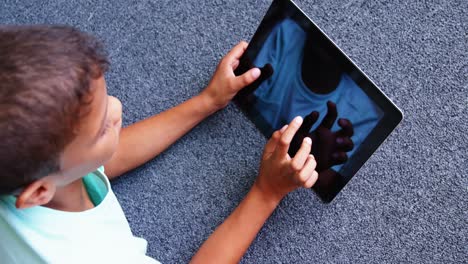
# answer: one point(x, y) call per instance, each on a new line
point(97, 110)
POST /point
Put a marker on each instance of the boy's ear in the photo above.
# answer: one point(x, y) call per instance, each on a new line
point(39, 192)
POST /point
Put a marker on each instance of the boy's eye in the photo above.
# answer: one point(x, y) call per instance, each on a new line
point(106, 128)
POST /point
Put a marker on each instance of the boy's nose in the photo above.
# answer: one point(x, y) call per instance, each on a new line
point(115, 109)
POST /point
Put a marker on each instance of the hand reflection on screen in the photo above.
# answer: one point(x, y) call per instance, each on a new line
point(328, 147)
point(301, 76)
point(265, 72)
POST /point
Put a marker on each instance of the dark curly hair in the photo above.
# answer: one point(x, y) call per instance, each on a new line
point(45, 77)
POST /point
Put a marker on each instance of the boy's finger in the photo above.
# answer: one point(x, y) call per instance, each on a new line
point(312, 180)
point(302, 154)
point(236, 52)
point(235, 64)
point(271, 144)
point(287, 136)
point(345, 144)
point(331, 115)
point(347, 129)
point(246, 78)
point(307, 171)
point(309, 121)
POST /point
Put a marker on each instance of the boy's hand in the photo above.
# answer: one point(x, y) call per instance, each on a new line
point(330, 147)
point(281, 174)
point(224, 84)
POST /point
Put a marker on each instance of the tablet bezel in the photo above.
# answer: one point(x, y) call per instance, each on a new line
point(392, 115)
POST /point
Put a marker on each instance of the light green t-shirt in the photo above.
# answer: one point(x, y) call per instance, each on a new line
point(95, 187)
point(43, 235)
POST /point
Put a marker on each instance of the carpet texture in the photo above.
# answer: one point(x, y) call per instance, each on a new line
point(408, 204)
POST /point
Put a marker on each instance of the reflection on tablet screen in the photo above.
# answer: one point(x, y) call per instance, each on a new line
point(305, 74)
point(304, 79)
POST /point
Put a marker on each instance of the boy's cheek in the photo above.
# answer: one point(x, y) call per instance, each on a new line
point(119, 126)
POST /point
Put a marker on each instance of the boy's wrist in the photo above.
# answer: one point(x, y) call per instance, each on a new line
point(269, 197)
point(208, 103)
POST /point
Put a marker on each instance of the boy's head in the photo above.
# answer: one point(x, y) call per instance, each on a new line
point(57, 122)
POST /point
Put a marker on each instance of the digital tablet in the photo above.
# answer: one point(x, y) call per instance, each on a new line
point(305, 74)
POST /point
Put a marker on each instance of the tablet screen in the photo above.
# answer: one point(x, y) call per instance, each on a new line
point(305, 74)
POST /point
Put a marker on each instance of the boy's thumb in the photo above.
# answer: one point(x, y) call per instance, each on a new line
point(248, 77)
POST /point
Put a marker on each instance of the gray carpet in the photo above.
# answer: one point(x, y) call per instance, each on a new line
point(406, 205)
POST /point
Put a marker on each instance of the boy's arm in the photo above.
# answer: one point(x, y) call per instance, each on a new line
point(145, 139)
point(279, 174)
point(232, 238)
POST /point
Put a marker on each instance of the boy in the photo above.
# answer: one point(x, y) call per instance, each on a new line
point(60, 132)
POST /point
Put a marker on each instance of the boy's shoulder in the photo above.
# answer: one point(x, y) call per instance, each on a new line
point(41, 234)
